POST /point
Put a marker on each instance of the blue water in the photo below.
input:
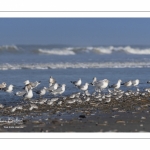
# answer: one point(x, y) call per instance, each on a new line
point(21, 63)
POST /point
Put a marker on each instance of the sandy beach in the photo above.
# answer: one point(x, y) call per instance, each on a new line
point(124, 115)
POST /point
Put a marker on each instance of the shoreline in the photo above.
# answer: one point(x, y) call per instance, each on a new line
point(124, 115)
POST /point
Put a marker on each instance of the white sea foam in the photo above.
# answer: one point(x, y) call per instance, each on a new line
point(57, 51)
point(64, 51)
point(136, 51)
point(103, 50)
point(76, 65)
point(126, 49)
point(8, 47)
point(97, 50)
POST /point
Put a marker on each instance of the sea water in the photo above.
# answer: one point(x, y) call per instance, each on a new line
point(69, 63)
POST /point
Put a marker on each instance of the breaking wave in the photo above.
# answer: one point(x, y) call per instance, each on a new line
point(100, 50)
point(95, 50)
point(56, 52)
point(9, 48)
point(126, 49)
point(75, 65)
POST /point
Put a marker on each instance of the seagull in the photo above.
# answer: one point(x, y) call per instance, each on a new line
point(94, 80)
point(41, 92)
point(72, 96)
point(84, 87)
point(33, 106)
point(52, 80)
point(1, 106)
point(19, 107)
point(127, 84)
point(147, 90)
point(9, 89)
point(35, 84)
point(54, 99)
point(27, 87)
point(87, 93)
point(107, 100)
point(135, 82)
point(3, 85)
point(26, 82)
point(87, 99)
point(53, 87)
point(60, 90)
point(20, 93)
point(77, 83)
point(28, 95)
point(117, 85)
point(100, 85)
point(71, 101)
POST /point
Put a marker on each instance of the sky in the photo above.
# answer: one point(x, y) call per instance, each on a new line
point(75, 31)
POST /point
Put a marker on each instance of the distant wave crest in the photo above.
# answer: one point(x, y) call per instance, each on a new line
point(56, 52)
point(64, 51)
point(96, 50)
point(126, 49)
point(136, 51)
point(9, 48)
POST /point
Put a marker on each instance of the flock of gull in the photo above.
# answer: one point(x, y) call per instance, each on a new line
point(113, 92)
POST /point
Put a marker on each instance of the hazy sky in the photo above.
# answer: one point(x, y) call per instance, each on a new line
point(75, 31)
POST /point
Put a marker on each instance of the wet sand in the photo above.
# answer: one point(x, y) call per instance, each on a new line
point(123, 115)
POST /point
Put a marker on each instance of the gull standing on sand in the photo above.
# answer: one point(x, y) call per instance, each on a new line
point(52, 87)
point(83, 87)
point(42, 91)
point(127, 84)
point(117, 85)
point(60, 90)
point(33, 84)
point(9, 89)
point(100, 85)
point(77, 83)
point(52, 80)
point(135, 82)
point(26, 89)
point(33, 106)
point(28, 86)
point(2, 86)
point(94, 80)
point(87, 93)
point(29, 94)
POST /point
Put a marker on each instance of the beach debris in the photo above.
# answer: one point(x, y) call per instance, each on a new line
point(143, 118)
point(82, 116)
point(114, 116)
point(120, 121)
